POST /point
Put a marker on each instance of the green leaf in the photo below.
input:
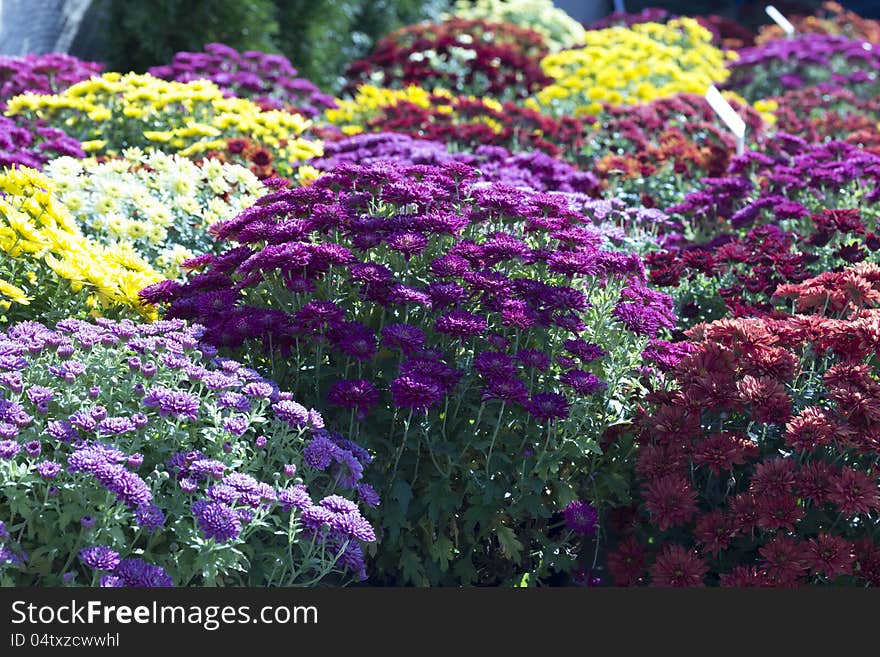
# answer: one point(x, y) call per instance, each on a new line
point(510, 544)
point(401, 492)
point(442, 551)
point(412, 569)
point(465, 571)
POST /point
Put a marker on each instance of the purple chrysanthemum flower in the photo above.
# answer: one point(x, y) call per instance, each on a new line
point(416, 392)
point(584, 383)
point(409, 339)
point(140, 420)
point(547, 406)
point(99, 557)
point(48, 469)
point(297, 497)
point(33, 448)
point(87, 522)
point(217, 520)
point(135, 461)
point(149, 516)
point(116, 426)
point(62, 430)
point(586, 351)
point(581, 517)
point(461, 324)
point(291, 412)
point(176, 403)
point(320, 452)
point(139, 573)
point(289, 470)
point(368, 495)
point(338, 504)
point(533, 358)
point(353, 524)
point(234, 400)
point(359, 394)
point(259, 389)
point(349, 469)
point(40, 394)
point(8, 431)
point(8, 449)
point(236, 425)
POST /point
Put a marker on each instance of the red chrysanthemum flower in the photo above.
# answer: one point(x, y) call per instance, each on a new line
point(814, 481)
point(773, 477)
point(722, 451)
point(830, 555)
point(809, 430)
point(785, 560)
point(768, 398)
point(678, 567)
point(671, 501)
point(854, 492)
point(779, 511)
point(714, 531)
point(745, 576)
point(627, 563)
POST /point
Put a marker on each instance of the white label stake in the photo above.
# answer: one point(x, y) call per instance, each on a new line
point(619, 7)
point(727, 114)
point(780, 20)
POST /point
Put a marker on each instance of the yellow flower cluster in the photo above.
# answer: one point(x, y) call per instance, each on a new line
point(558, 28)
point(631, 65)
point(114, 111)
point(158, 203)
point(352, 114)
point(48, 262)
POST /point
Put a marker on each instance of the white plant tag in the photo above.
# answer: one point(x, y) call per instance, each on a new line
point(779, 19)
point(726, 113)
point(619, 6)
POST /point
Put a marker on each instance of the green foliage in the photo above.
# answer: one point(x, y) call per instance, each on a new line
point(144, 34)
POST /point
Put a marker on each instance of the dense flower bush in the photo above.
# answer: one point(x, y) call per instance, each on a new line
point(50, 269)
point(627, 66)
point(832, 19)
point(827, 112)
point(760, 470)
point(270, 80)
point(807, 59)
point(42, 74)
point(652, 151)
point(478, 338)
point(131, 456)
point(463, 56)
point(161, 205)
point(463, 122)
point(558, 29)
point(30, 144)
point(791, 212)
point(113, 112)
point(532, 170)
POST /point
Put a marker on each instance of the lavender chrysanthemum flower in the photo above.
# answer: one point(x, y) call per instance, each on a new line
point(135, 461)
point(48, 469)
point(289, 470)
point(40, 394)
point(140, 420)
point(111, 582)
point(87, 522)
point(297, 497)
point(33, 448)
point(236, 425)
point(338, 504)
point(116, 426)
point(291, 412)
point(62, 430)
point(8, 449)
point(100, 557)
point(176, 403)
point(127, 486)
point(8, 431)
point(352, 523)
point(234, 400)
point(217, 520)
point(259, 389)
point(581, 517)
